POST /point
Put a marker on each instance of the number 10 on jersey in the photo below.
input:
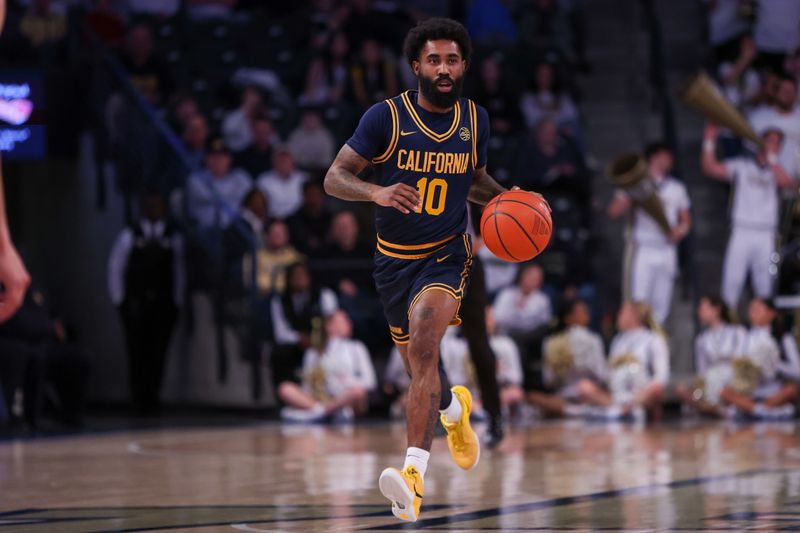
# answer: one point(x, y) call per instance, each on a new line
point(433, 194)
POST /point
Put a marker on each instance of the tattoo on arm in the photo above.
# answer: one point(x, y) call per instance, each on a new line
point(342, 179)
point(484, 187)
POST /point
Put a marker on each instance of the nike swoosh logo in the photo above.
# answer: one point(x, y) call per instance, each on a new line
point(404, 133)
point(440, 259)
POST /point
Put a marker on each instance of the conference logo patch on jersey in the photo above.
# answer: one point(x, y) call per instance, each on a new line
point(464, 134)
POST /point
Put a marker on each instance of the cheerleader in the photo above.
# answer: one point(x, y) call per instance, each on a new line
point(336, 378)
point(714, 349)
point(756, 389)
point(574, 366)
point(638, 363)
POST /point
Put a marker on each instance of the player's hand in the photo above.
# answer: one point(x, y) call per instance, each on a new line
point(14, 279)
point(402, 197)
point(516, 188)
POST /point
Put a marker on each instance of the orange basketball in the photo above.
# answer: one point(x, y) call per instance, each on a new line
point(516, 225)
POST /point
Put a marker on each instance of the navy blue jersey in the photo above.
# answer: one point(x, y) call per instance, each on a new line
point(437, 153)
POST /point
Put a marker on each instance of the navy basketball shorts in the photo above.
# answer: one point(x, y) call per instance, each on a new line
point(403, 273)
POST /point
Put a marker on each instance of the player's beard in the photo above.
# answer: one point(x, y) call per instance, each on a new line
point(442, 100)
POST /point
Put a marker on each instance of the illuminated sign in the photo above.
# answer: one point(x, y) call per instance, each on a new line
point(22, 129)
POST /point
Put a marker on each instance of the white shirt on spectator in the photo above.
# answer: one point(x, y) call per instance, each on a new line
point(121, 253)
point(789, 367)
point(765, 117)
point(761, 348)
point(777, 27)
point(674, 199)
point(649, 348)
point(345, 363)
point(285, 194)
point(236, 130)
point(536, 107)
point(755, 200)
point(284, 334)
point(718, 345)
point(312, 149)
point(534, 311)
point(588, 355)
point(231, 189)
point(744, 89)
point(499, 274)
point(509, 365)
point(396, 372)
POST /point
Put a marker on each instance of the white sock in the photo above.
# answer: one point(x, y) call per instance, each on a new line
point(418, 458)
point(452, 413)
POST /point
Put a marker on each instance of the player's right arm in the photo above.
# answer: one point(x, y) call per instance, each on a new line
point(709, 163)
point(342, 181)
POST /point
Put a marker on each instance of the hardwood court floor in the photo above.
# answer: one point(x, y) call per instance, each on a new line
point(551, 476)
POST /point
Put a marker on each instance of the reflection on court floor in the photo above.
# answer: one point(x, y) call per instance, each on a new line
point(559, 477)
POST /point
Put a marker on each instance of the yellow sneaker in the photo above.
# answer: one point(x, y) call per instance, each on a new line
point(404, 489)
point(461, 439)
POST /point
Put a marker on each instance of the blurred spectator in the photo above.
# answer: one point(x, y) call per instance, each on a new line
point(495, 93)
point(776, 31)
point(352, 277)
point(751, 245)
point(574, 365)
point(44, 23)
point(309, 226)
point(783, 115)
point(543, 26)
point(244, 235)
point(146, 283)
point(38, 354)
point(257, 157)
point(311, 144)
point(726, 25)
point(523, 311)
point(158, 8)
point(106, 24)
point(195, 135)
point(387, 22)
point(489, 21)
point(499, 273)
point(547, 99)
point(715, 348)
point(337, 377)
point(283, 185)
point(273, 260)
point(328, 75)
point(755, 389)
point(638, 364)
point(237, 126)
point(548, 162)
point(210, 9)
point(654, 254)
point(183, 108)
point(792, 65)
point(217, 191)
point(740, 82)
point(146, 71)
point(395, 384)
point(374, 75)
point(509, 367)
point(293, 314)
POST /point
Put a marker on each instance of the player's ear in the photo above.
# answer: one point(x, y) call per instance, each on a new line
point(466, 65)
point(415, 67)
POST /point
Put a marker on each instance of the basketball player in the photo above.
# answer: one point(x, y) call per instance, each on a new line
point(653, 255)
point(14, 278)
point(428, 148)
point(754, 216)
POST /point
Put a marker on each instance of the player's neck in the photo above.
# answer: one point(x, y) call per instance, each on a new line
point(426, 104)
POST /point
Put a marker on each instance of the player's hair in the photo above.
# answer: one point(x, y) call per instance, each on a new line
point(435, 29)
point(653, 148)
point(716, 301)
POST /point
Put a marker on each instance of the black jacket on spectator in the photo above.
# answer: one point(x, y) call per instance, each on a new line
point(308, 230)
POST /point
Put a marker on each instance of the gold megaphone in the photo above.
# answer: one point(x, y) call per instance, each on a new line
point(629, 172)
point(701, 93)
